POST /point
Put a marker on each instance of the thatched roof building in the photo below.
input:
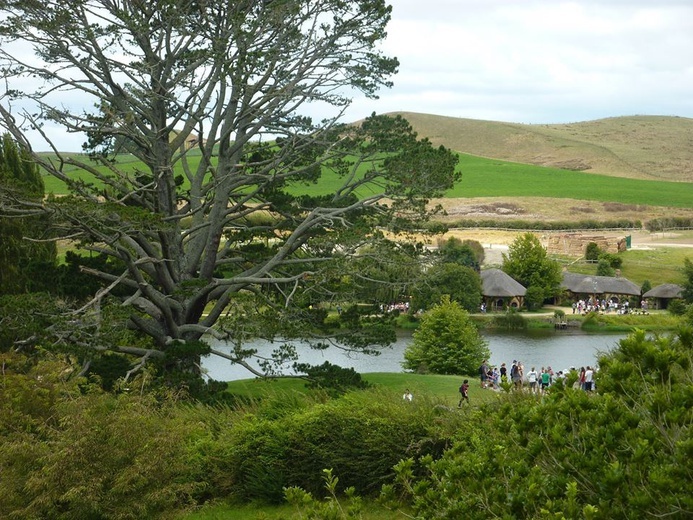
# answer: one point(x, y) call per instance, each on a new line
point(606, 287)
point(663, 294)
point(666, 290)
point(499, 290)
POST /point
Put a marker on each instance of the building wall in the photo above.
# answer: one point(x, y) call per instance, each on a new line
point(574, 244)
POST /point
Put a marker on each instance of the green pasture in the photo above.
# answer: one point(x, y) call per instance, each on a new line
point(483, 177)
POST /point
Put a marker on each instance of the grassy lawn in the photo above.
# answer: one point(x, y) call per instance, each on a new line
point(443, 388)
point(482, 177)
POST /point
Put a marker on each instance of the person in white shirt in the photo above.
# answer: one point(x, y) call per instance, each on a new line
point(532, 378)
point(589, 379)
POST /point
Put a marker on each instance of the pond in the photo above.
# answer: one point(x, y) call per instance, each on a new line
point(558, 349)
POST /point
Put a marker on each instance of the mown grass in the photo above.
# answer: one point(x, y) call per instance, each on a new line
point(441, 387)
point(482, 177)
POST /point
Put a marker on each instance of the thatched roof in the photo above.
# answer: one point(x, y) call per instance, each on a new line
point(666, 290)
point(497, 284)
point(586, 284)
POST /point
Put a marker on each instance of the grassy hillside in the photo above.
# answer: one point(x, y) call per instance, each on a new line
point(483, 177)
point(642, 147)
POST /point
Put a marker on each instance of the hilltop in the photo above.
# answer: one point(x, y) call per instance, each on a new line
point(639, 147)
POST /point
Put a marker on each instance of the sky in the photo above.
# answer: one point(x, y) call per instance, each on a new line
point(539, 61)
point(533, 61)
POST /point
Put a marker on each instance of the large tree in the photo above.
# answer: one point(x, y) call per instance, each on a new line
point(528, 263)
point(211, 98)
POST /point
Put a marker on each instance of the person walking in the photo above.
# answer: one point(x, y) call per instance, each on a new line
point(464, 392)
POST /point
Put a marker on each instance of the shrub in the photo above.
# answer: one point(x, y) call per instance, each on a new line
point(96, 455)
point(613, 260)
point(604, 268)
point(511, 320)
point(360, 436)
point(592, 251)
point(334, 379)
point(677, 307)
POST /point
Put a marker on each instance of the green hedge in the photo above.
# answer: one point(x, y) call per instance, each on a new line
point(360, 437)
point(540, 225)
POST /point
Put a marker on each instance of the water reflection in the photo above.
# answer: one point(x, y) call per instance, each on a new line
point(560, 350)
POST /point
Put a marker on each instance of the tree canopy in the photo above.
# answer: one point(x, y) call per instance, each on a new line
point(460, 283)
point(218, 225)
point(687, 292)
point(446, 342)
point(528, 263)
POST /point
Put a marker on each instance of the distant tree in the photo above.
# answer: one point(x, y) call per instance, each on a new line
point(534, 298)
point(454, 251)
point(687, 292)
point(646, 286)
point(462, 284)
point(446, 342)
point(612, 259)
point(592, 251)
point(604, 268)
point(528, 263)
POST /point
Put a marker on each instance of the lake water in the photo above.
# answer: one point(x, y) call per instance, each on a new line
point(558, 349)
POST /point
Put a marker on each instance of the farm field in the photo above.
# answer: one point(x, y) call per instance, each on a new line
point(483, 177)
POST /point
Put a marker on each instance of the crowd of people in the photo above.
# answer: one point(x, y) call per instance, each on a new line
point(604, 306)
point(536, 381)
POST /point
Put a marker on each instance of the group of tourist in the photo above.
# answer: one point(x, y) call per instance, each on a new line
point(596, 305)
point(537, 381)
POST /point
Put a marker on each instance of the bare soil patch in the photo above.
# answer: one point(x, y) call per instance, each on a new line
point(550, 209)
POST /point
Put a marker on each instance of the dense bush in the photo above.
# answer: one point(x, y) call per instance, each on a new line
point(664, 223)
point(74, 455)
point(510, 320)
point(677, 307)
point(360, 437)
point(592, 251)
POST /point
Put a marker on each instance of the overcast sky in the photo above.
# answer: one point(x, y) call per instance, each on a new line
point(539, 61)
point(532, 61)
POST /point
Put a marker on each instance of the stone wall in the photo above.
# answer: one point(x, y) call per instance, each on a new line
point(574, 244)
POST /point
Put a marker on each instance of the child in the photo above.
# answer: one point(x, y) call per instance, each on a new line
point(464, 392)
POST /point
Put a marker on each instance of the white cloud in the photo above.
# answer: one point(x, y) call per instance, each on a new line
point(539, 61)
